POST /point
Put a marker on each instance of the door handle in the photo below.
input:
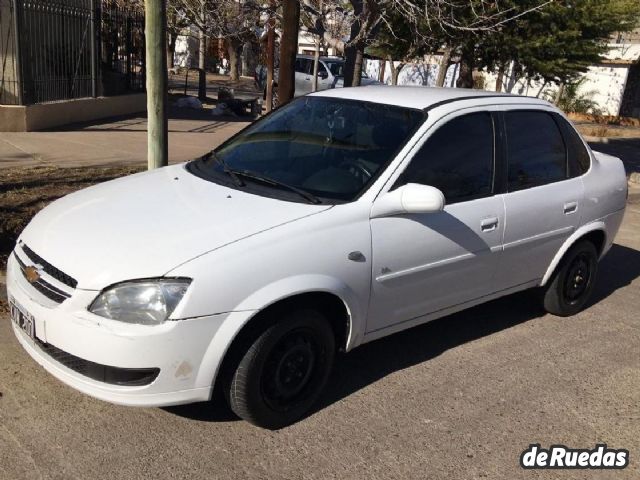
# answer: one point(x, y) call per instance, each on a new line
point(489, 224)
point(570, 207)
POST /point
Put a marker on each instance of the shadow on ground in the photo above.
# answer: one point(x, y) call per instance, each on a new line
point(374, 361)
point(627, 149)
point(203, 122)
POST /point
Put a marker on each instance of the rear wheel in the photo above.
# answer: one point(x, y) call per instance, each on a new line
point(284, 370)
point(572, 283)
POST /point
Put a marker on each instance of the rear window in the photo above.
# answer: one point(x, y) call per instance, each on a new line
point(536, 152)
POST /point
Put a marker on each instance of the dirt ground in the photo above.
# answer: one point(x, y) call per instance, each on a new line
point(459, 398)
point(25, 191)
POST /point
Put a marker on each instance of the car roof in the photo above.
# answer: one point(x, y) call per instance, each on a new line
point(421, 97)
point(322, 57)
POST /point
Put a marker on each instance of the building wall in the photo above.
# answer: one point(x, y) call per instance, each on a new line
point(18, 118)
point(609, 84)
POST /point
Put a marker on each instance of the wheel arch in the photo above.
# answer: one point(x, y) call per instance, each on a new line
point(334, 299)
point(595, 232)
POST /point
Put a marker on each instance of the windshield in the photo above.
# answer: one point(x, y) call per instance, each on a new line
point(331, 148)
point(337, 69)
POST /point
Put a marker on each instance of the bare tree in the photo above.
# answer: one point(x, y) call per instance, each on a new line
point(425, 18)
point(234, 20)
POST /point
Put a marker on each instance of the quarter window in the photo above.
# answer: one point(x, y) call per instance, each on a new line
point(578, 156)
point(458, 159)
point(536, 153)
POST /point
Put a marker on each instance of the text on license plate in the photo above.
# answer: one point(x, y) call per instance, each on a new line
point(21, 318)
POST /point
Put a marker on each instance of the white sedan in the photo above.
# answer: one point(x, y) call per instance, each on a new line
point(340, 218)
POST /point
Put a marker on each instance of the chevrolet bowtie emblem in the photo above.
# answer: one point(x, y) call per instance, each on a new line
point(32, 274)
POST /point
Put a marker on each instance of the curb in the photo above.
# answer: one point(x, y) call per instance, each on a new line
point(590, 139)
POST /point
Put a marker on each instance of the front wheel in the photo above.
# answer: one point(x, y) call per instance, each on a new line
point(572, 283)
point(284, 371)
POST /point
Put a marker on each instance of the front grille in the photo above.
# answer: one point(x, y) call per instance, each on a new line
point(50, 269)
point(44, 287)
point(102, 373)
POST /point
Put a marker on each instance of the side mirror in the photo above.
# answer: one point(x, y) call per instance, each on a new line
point(410, 198)
point(323, 74)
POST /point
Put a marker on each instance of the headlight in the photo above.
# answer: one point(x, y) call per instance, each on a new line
point(146, 302)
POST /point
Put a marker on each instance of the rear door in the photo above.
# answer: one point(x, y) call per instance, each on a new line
point(324, 79)
point(304, 72)
point(543, 198)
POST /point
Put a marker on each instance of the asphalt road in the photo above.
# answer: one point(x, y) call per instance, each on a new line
point(459, 398)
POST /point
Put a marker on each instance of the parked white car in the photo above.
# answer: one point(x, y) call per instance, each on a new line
point(340, 218)
point(330, 75)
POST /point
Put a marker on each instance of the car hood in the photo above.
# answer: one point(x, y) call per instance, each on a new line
point(144, 225)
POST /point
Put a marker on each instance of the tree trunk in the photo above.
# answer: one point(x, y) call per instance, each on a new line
point(270, 61)
point(383, 66)
point(316, 64)
point(202, 60)
point(500, 78)
point(559, 94)
point(357, 66)
point(171, 48)
point(443, 67)
point(465, 79)
point(395, 71)
point(288, 50)
point(156, 58)
point(354, 49)
point(544, 85)
point(232, 50)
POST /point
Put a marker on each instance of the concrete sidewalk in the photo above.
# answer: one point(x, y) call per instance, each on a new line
point(116, 141)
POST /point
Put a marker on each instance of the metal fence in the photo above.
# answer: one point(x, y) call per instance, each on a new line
point(8, 76)
point(122, 50)
point(54, 50)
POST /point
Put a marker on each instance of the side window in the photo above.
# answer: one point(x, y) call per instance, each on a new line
point(302, 65)
point(578, 156)
point(536, 152)
point(457, 158)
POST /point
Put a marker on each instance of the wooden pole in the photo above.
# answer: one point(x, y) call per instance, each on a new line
point(156, 72)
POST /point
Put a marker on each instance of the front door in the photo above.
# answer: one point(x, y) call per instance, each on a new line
point(427, 262)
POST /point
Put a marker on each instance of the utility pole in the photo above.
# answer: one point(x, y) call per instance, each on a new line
point(156, 72)
point(271, 45)
point(202, 54)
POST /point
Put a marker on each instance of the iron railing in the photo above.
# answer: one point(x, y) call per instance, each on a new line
point(52, 50)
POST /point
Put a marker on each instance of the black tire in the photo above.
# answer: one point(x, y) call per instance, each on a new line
point(571, 285)
point(284, 370)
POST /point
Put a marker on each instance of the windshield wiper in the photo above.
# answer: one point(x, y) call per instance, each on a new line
point(261, 178)
point(226, 169)
point(236, 174)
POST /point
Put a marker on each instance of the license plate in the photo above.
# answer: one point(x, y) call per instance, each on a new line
point(22, 319)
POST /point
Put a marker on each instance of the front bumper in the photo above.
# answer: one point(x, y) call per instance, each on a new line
point(186, 352)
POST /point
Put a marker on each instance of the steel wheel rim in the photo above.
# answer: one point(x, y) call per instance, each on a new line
point(578, 278)
point(291, 369)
